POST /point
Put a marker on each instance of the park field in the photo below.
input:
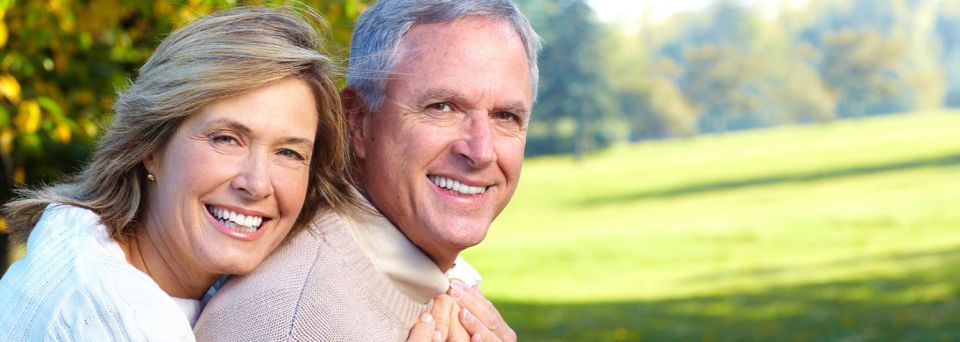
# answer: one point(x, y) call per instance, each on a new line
point(842, 231)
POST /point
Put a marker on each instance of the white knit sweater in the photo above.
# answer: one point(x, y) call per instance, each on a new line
point(74, 284)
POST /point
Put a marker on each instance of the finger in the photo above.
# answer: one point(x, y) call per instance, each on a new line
point(424, 330)
point(478, 332)
point(476, 288)
point(443, 312)
point(471, 300)
point(489, 314)
point(457, 332)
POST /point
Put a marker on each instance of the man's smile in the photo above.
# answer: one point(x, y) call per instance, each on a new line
point(456, 186)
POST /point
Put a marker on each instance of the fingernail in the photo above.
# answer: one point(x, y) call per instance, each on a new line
point(458, 283)
point(426, 317)
point(456, 291)
point(467, 317)
point(437, 336)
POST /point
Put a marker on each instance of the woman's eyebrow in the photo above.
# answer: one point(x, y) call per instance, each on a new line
point(240, 127)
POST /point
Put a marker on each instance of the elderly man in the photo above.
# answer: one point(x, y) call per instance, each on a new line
point(438, 99)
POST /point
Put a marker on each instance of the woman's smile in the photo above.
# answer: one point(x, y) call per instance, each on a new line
point(236, 224)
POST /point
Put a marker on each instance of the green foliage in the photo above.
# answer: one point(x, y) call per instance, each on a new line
point(948, 32)
point(798, 233)
point(653, 106)
point(862, 67)
point(725, 81)
point(573, 89)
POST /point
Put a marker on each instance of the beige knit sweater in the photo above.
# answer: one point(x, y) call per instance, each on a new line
point(320, 286)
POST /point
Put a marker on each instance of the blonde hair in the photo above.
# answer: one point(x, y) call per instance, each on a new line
point(218, 56)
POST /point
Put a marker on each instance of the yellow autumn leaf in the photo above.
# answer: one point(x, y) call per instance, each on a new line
point(10, 88)
point(62, 133)
point(19, 175)
point(28, 117)
point(4, 34)
point(54, 5)
point(6, 140)
point(89, 128)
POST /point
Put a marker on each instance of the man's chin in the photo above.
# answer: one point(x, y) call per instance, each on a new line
point(464, 238)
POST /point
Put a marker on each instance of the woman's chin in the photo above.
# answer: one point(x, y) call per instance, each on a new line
point(235, 266)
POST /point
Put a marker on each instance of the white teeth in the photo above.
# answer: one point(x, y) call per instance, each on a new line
point(456, 186)
point(235, 221)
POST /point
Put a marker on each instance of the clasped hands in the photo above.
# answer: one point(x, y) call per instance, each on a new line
point(462, 314)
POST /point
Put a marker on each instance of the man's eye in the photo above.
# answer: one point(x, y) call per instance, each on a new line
point(441, 106)
point(508, 116)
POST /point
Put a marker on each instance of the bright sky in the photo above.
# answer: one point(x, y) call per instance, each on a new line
point(630, 12)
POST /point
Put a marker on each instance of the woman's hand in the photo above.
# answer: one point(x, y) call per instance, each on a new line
point(424, 330)
point(478, 315)
point(440, 324)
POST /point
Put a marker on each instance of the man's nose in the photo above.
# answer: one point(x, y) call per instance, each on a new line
point(253, 180)
point(476, 145)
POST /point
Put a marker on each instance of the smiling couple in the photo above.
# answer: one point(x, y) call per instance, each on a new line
point(340, 215)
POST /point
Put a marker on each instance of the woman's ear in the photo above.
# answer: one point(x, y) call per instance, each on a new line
point(356, 111)
point(152, 163)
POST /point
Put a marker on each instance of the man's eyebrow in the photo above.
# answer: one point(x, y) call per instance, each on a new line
point(443, 94)
point(513, 107)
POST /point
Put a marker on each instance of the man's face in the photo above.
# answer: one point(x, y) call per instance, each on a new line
point(441, 158)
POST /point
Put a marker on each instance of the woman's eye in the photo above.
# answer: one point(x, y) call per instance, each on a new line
point(291, 154)
point(224, 139)
point(442, 107)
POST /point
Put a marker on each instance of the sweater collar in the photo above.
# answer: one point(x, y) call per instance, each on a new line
point(407, 267)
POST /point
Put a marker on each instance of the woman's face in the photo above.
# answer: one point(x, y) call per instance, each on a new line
point(232, 180)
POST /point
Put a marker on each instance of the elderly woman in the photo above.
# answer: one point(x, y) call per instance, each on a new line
point(230, 138)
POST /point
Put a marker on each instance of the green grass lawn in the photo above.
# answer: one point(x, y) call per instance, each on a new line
point(846, 231)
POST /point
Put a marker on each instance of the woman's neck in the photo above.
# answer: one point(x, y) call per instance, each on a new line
point(151, 255)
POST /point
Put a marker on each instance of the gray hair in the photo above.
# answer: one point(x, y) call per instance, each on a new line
point(218, 56)
point(374, 49)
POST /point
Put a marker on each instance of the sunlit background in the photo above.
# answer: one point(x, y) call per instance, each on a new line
point(696, 170)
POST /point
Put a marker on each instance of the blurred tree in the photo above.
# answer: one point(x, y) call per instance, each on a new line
point(575, 110)
point(725, 82)
point(646, 93)
point(794, 91)
point(909, 24)
point(723, 70)
point(724, 23)
point(62, 62)
point(948, 34)
point(861, 67)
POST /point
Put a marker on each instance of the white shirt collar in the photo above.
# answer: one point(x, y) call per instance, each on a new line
point(407, 267)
